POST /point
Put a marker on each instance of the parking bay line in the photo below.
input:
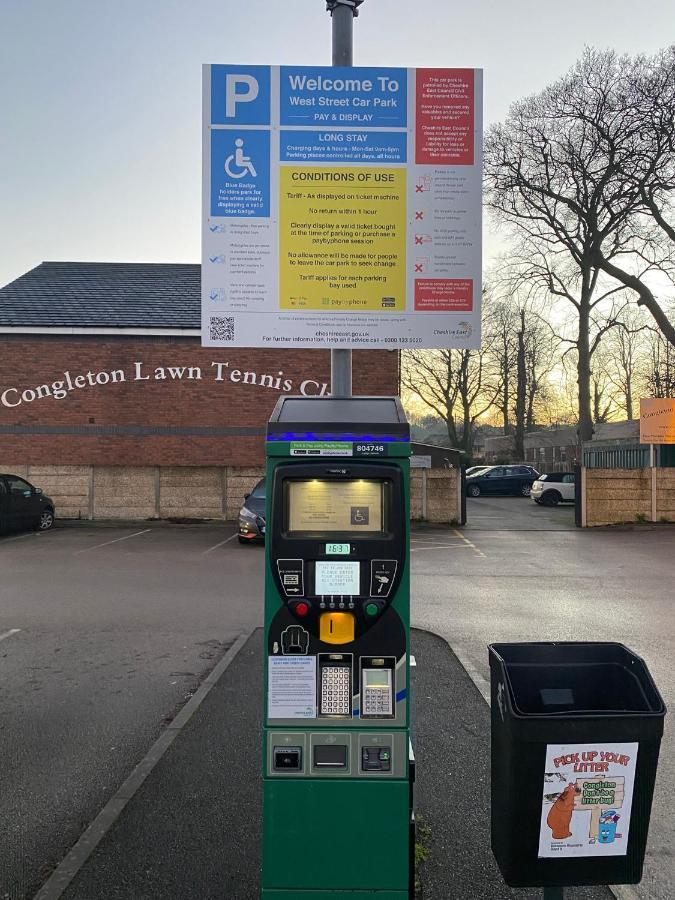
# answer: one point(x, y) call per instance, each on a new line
point(65, 872)
point(114, 541)
point(470, 543)
point(215, 546)
point(455, 546)
point(19, 537)
point(9, 633)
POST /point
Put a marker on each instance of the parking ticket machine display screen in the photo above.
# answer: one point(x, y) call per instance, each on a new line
point(336, 577)
point(353, 505)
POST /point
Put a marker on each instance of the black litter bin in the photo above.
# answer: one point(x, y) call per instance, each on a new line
point(576, 730)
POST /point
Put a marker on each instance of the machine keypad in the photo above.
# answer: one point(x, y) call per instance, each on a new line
point(335, 691)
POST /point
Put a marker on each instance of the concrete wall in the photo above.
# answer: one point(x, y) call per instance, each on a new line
point(435, 495)
point(615, 496)
point(665, 495)
point(196, 492)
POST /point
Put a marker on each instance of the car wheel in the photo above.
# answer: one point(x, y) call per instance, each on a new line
point(473, 490)
point(243, 540)
point(525, 490)
point(46, 520)
point(551, 498)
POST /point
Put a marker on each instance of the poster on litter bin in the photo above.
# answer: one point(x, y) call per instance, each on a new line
point(587, 798)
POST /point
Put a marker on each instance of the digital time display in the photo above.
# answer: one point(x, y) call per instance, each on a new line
point(338, 549)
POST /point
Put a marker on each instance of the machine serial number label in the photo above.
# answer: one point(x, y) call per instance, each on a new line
point(370, 449)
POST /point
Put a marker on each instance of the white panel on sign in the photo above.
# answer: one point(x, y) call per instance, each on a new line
point(341, 207)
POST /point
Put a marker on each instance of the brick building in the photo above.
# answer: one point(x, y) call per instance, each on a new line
point(109, 402)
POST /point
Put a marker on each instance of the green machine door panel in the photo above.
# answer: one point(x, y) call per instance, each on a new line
point(334, 895)
point(309, 844)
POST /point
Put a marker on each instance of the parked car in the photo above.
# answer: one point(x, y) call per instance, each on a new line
point(553, 488)
point(475, 469)
point(252, 515)
point(502, 480)
point(22, 505)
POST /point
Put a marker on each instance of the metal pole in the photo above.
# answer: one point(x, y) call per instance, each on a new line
point(342, 20)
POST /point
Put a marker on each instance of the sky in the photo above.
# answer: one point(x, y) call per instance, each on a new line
point(100, 100)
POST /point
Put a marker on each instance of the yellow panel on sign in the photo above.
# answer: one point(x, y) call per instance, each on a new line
point(342, 239)
point(657, 421)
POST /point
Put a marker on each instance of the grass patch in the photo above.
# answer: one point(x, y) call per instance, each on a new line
point(422, 838)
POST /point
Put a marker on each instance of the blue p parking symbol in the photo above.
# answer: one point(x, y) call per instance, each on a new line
point(240, 95)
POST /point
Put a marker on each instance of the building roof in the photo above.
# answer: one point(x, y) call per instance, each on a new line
point(103, 295)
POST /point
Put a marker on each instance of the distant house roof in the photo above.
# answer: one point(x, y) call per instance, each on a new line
point(108, 296)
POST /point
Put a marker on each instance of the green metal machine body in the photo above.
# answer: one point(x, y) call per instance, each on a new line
point(337, 768)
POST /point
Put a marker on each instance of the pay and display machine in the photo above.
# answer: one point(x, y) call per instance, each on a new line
point(337, 769)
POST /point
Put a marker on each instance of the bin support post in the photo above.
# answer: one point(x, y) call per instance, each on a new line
point(553, 893)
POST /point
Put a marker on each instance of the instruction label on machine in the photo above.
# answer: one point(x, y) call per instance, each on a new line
point(341, 207)
point(291, 687)
point(587, 799)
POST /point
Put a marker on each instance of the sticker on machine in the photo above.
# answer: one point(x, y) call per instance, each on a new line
point(291, 687)
point(587, 799)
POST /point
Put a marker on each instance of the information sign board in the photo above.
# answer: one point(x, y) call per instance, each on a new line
point(657, 420)
point(341, 207)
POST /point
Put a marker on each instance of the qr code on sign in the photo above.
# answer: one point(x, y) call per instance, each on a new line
point(222, 328)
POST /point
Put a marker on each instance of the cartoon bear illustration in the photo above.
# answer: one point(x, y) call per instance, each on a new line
point(560, 814)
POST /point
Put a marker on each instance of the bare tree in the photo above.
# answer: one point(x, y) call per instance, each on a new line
point(660, 380)
point(557, 171)
point(454, 384)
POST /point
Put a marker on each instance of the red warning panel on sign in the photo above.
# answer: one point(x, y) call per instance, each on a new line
point(445, 117)
point(444, 294)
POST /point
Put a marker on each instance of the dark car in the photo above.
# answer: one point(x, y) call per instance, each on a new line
point(23, 506)
point(252, 515)
point(502, 480)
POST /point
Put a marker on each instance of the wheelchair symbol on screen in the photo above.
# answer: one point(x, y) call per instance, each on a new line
point(237, 161)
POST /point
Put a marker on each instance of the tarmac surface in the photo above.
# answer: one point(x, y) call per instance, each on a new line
point(106, 630)
point(503, 579)
point(104, 633)
point(192, 830)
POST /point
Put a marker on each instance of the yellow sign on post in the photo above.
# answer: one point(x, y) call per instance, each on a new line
point(657, 420)
point(342, 238)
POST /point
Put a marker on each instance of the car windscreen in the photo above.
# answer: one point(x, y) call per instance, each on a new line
point(259, 491)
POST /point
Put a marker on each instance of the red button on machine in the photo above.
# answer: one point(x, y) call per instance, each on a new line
point(301, 609)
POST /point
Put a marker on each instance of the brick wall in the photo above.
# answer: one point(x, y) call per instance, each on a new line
point(113, 415)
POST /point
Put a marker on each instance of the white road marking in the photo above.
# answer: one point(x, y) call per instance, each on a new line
point(115, 541)
point(454, 546)
point(470, 544)
point(9, 633)
point(19, 537)
point(215, 546)
point(65, 872)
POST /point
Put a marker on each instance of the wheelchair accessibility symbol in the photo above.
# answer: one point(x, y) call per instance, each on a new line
point(237, 165)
